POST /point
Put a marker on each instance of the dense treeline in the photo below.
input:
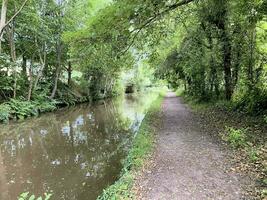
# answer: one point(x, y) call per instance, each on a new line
point(36, 71)
point(222, 55)
point(215, 48)
point(70, 51)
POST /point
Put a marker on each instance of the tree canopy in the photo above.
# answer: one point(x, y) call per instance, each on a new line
point(74, 50)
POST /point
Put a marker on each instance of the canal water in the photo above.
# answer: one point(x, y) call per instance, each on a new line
point(73, 153)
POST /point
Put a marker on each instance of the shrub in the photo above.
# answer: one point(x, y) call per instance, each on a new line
point(45, 105)
point(22, 109)
point(252, 102)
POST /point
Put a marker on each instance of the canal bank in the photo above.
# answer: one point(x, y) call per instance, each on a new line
point(140, 151)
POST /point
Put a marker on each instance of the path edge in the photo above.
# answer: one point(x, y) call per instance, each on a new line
point(139, 154)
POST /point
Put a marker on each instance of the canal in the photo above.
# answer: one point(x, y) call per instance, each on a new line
point(73, 153)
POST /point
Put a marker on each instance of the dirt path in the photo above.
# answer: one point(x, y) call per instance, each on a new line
point(188, 164)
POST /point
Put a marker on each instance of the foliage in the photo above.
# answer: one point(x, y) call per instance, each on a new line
point(28, 196)
point(20, 108)
point(214, 49)
point(236, 137)
point(253, 154)
point(179, 92)
point(5, 110)
point(217, 52)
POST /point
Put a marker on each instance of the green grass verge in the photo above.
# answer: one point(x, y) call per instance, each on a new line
point(140, 151)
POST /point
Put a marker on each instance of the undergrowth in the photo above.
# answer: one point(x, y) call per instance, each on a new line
point(142, 147)
point(21, 108)
point(236, 137)
point(28, 196)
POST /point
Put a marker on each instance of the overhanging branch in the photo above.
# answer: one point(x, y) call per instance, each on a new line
point(152, 19)
point(13, 17)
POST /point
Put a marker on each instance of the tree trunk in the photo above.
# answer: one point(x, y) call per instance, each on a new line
point(10, 32)
point(69, 73)
point(227, 65)
point(226, 52)
point(236, 66)
point(43, 62)
point(213, 72)
point(251, 61)
point(237, 53)
point(53, 94)
point(31, 82)
point(24, 66)
point(221, 24)
point(3, 21)
point(58, 69)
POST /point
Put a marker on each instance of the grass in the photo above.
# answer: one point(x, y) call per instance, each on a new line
point(142, 147)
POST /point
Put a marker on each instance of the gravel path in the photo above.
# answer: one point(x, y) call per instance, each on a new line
point(188, 164)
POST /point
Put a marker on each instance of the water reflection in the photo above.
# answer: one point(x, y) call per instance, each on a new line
point(74, 152)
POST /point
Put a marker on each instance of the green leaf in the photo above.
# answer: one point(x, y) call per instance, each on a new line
point(23, 196)
point(32, 197)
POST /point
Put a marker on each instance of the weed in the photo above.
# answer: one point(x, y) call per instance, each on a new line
point(253, 154)
point(236, 137)
point(28, 196)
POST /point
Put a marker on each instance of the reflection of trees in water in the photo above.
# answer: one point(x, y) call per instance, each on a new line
point(74, 152)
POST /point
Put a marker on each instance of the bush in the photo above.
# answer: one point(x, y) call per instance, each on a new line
point(22, 108)
point(252, 102)
point(44, 104)
point(236, 137)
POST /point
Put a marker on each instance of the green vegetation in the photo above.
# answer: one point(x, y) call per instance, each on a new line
point(218, 53)
point(141, 149)
point(20, 109)
point(253, 154)
point(75, 51)
point(236, 137)
point(28, 196)
point(63, 52)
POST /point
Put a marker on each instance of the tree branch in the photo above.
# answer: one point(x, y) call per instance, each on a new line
point(13, 17)
point(149, 21)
